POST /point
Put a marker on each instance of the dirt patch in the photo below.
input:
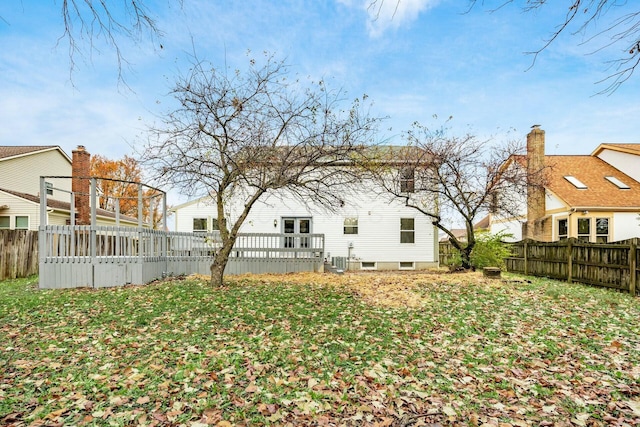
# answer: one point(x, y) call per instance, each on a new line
point(384, 288)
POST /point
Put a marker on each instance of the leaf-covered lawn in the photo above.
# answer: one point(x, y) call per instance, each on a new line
point(310, 349)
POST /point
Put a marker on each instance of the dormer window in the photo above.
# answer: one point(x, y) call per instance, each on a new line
point(576, 182)
point(615, 181)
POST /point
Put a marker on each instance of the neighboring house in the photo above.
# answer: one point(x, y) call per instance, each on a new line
point(20, 171)
point(594, 198)
point(624, 157)
point(461, 233)
point(370, 231)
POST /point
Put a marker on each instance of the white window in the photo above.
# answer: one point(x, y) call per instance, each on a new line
point(22, 222)
point(407, 230)
point(602, 230)
point(584, 229)
point(563, 229)
point(49, 187)
point(351, 226)
point(204, 225)
point(5, 222)
point(199, 225)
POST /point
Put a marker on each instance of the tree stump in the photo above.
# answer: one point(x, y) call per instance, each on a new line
point(491, 272)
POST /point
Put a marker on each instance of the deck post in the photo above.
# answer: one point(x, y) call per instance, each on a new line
point(140, 206)
point(93, 235)
point(43, 201)
point(72, 225)
point(42, 230)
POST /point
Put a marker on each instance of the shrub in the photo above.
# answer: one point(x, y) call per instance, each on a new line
point(489, 251)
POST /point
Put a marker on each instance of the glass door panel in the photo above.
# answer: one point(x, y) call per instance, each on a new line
point(289, 225)
point(296, 226)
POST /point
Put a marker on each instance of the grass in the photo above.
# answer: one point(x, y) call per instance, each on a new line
point(308, 349)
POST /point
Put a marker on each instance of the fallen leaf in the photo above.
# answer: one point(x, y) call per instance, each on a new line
point(449, 411)
point(55, 414)
point(635, 406)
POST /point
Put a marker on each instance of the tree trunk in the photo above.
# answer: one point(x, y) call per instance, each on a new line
point(220, 262)
point(465, 258)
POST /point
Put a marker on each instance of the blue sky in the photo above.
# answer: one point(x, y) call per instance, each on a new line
point(429, 57)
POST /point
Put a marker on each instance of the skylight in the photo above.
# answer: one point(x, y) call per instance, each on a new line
point(621, 185)
point(576, 182)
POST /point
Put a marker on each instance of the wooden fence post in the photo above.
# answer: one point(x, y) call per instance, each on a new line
point(632, 268)
point(526, 264)
point(569, 260)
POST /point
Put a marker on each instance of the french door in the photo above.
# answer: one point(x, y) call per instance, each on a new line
point(296, 226)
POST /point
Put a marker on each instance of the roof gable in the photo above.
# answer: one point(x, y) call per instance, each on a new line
point(624, 148)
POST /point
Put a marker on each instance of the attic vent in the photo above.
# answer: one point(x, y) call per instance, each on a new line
point(615, 181)
point(576, 182)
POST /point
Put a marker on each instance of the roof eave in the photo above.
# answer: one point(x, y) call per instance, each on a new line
point(44, 150)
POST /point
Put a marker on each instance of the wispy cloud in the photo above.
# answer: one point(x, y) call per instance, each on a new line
point(390, 14)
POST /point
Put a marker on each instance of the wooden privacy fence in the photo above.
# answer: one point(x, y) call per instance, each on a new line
point(103, 256)
point(18, 253)
point(611, 265)
point(446, 253)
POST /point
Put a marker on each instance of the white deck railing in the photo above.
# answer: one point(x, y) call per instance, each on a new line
point(102, 256)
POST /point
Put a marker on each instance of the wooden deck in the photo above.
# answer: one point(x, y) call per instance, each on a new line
point(106, 256)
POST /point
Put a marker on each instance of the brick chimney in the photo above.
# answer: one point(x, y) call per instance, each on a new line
point(536, 208)
point(80, 184)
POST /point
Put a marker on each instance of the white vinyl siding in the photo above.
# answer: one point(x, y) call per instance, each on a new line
point(378, 226)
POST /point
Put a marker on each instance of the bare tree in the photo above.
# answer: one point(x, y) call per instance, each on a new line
point(88, 21)
point(451, 178)
point(604, 24)
point(237, 136)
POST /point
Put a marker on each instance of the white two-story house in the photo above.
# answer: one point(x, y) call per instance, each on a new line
point(368, 232)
